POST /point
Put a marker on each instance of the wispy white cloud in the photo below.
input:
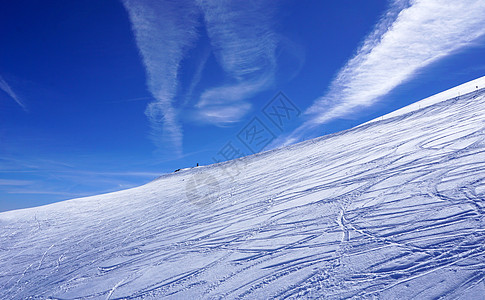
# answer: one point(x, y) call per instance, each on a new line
point(244, 43)
point(197, 75)
point(411, 36)
point(44, 176)
point(164, 30)
point(242, 39)
point(4, 86)
point(14, 182)
point(226, 104)
point(45, 192)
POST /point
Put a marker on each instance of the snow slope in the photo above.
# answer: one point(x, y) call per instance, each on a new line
point(468, 87)
point(390, 209)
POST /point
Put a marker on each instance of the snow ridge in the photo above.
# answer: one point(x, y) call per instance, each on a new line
point(474, 86)
point(390, 209)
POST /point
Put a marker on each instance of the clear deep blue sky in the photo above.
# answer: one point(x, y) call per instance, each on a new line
point(77, 77)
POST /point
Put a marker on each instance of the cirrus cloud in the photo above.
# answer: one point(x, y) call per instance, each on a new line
point(164, 31)
point(244, 44)
point(410, 36)
point(242, 40)
point(4, 86)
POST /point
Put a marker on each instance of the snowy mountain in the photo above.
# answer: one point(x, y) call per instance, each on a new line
point(393, 208)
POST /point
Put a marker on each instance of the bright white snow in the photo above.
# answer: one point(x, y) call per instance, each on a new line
point(391, 209)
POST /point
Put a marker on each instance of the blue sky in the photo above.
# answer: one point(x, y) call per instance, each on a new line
point(98, 96)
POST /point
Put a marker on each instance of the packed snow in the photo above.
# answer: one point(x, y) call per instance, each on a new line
point(393, 208)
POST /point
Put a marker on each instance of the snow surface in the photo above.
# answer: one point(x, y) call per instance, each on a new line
point(390, 209)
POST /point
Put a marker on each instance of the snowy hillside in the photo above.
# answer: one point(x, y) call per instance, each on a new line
point(390, 209)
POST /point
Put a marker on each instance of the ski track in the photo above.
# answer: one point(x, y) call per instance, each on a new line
point(393, 208)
